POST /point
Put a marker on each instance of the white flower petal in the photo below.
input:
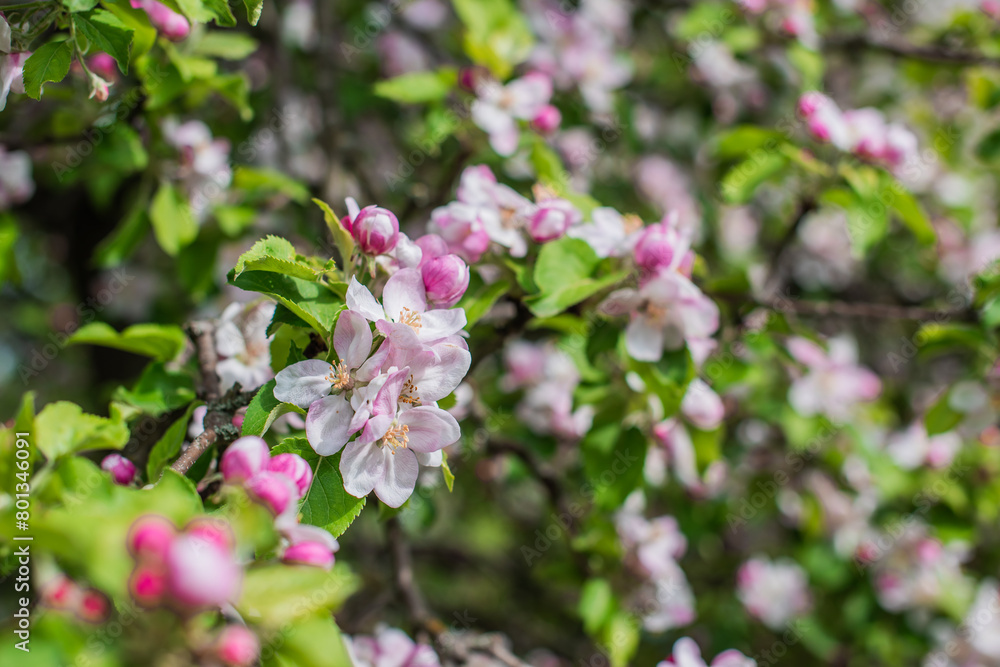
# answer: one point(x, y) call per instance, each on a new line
point(400, 477)
point(303, 383)
point(328, 424)
point(362, 466)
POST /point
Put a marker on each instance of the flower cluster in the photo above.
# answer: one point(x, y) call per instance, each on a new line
point(687, 654)
point(384, 399)
point(579, 48)
point(390, 646)
point(243, 345)
point(11, 72)
point(653, 547)
point(279, 482)
point(169, 23)
point(548, 377)
point(62, 593)
point(668, 309)
point(774, 592)
point(188, 570)
point(122, 470)
point(203, 163)
point(794, 17)
point(834, 382)
point(863, 132)
point(498, 108)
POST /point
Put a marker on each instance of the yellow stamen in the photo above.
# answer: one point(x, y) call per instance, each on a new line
point(410, 318)
point(396, 437)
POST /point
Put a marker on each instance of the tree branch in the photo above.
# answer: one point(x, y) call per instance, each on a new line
point(932, 54)
point(203, 336)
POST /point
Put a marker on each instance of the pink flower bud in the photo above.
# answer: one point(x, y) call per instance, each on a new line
point(431, 246)
point(811, 102)
point(103, 65)
point(148, 585)
point(445, 278)
point(309, 553)
point(200, 574)
point(238, 419)
point(547, 120)
point(216, 531)
point(469, 78)
point(294, 467)
point(150, 538)
point(93, 606)
point(99, 89)
point(552, 220)
point(122, 470)
point(375, 230)
point(237, 646)
point(273, 490)
point(60, 593)
point(991, 8)
point(656, 247)
point(173, 25)
point(244, 459)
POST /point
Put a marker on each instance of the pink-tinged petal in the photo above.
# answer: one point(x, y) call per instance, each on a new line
point(687, 654)
point(294, 467)
point(452, 362)
point(806, 395)
point(430, 428)
point(388, 396)
point(399, 336)
point(373, 366)
point(303, 383)
point(362, 466)
point(505, 141)
point(806, 352)
point(403, 292)
point(375, 428)
point(621, 302)
point(702, 406)
point(733, 658)
point(867, 384)
point(352, 339)
point(244, 458)
point(437, 324)
point(352, 208)
point(432, 460)
point(400, 477)
point(529, 94)
point(327, 424)
point(303, 532)
point(360, 300)
point(644, 339)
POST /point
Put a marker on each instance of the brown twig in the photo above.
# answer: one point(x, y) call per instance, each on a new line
point(203, 336)
point(932, 54)
point(874, 311)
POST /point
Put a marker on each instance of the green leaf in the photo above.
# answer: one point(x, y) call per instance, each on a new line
point(203, 11)
point(988, 149)
point(417, 87)
point(50, 62)
point(327, 504)
point(63, 428)
point(173, 223)
point(478, 304)
point(908, 209)
point(158, 390)
point(341, 237)
point(162, 342)
point(741, 182)
point(227, 45)
point(275, 254)
point(79, 5)
point(596, 604)
point(316, 642)
point(106, 32)
point(941, 418)
point(264, 409)
point(741, 140)
point(312, 301)
point(267, 181)
point(276, 596)
point(449, 476)
point(562, 272)
point(621, 636)
point(254, 9)
point(168, 446)
point(497, 34)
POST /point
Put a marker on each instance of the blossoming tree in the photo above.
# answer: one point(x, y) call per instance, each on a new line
point(499, 332)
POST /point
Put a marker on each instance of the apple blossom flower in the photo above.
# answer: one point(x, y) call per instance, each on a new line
point(373, 228)
point(702, 406)
point(16, 184)
point(446, 278)
point(461, 226)
point(834, 382)
point(5, 35)
point(203, 165)
point(237, 646)
point(913, 447)
point(93, 606)
point(243, 344)
point(294, 467)
point(774, 592)
point(658, 245)
point(405, 318)
point(306, 382)
point(826, 258)
point(677, 451)
point(382, 458)
point(275, 491)
point(665, 312)
point(401, 53)
point(687, 654)
point(551, 219)
point(172, 25)
point(390, 646)
point(991, 8)
point(609, 233)
point(549, 377)
point(498, 108)
point(11, 74)
point(667, 186)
